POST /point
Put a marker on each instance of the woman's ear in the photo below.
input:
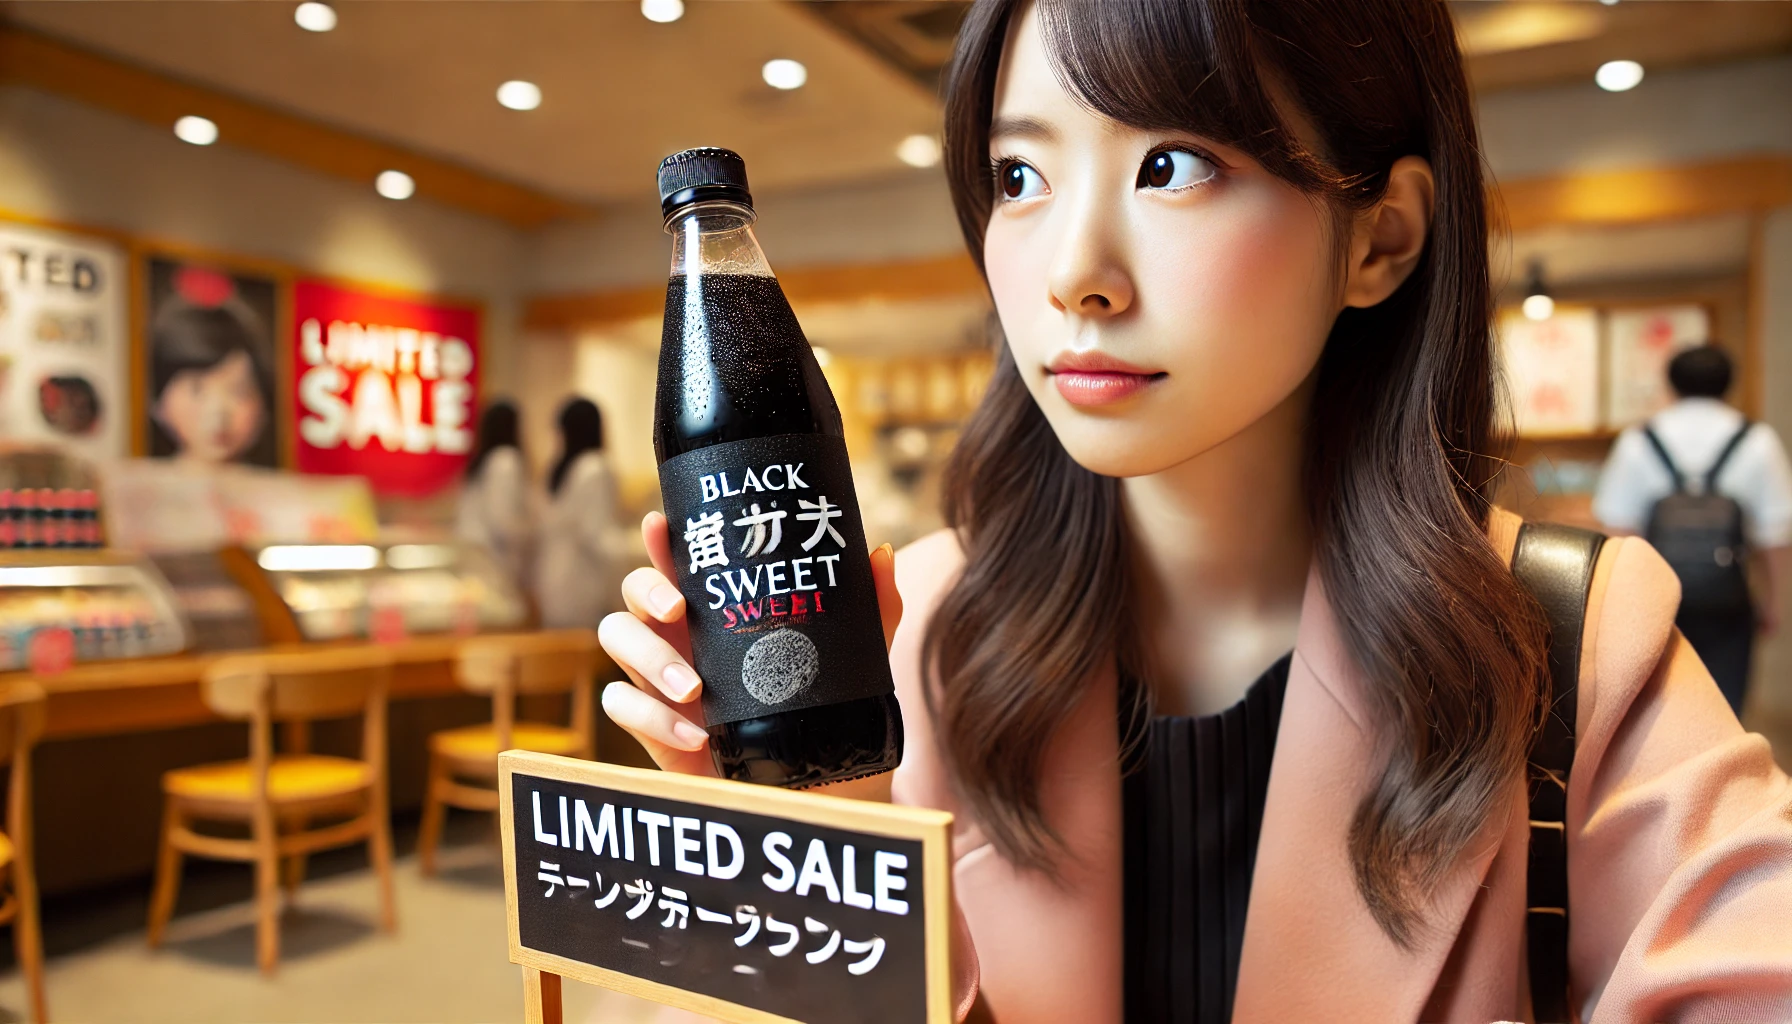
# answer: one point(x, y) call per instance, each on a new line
point(1389, 238)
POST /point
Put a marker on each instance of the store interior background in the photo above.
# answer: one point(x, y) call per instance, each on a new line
point(1676, 192)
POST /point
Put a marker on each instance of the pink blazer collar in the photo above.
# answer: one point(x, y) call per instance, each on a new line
point(1312, 949)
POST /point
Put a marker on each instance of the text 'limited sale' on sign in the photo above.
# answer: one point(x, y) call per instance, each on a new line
point(747, 903)
point(386, 387)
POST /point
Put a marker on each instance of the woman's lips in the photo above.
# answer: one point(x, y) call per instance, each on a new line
point(1091, 378)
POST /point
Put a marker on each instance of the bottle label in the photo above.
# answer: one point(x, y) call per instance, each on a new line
point(771, 559)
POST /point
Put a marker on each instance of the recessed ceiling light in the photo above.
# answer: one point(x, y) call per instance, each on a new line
point(395, 185)
point(1539, 307)
point(1609, 3)
point(784, 73)
point(919, 151)
point(519, 95)
point(1618, 75)
point(315, 17)
point(662, 11)
point(200, 131)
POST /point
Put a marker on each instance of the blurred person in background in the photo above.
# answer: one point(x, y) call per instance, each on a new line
point(1713, 493)
point(579, 564)
point(494, 503)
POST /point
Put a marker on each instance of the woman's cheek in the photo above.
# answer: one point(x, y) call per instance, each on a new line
point(1017, 269)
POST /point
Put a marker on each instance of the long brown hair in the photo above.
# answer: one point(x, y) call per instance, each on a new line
point(1401, 439)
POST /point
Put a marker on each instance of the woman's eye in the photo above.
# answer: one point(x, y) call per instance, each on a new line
point(1174, 168)
point(1019, 181)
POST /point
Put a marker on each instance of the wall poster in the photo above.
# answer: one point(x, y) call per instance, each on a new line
point(1642, 342)
point(211, 363)
point(1552, 371)
point(385, 387)
point(64, 353)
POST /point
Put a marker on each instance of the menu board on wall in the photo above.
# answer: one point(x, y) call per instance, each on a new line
point(210, 363)
point(63, 348)
point(385, 387)
point(1642, 341)
point(1552, 371)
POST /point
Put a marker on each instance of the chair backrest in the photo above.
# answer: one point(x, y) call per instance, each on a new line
point(21, 717)
point(550, 662)
point(326, 683)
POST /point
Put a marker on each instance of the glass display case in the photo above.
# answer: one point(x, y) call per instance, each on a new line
point(341, 591)
point(84, 606)
point(220, 612)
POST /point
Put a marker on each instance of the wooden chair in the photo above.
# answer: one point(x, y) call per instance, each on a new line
point(21, 723)
point(280, 795)
point(463, 763)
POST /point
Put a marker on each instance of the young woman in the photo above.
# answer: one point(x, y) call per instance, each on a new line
point(1221, 667)
point(583, 549)
point(494, 499)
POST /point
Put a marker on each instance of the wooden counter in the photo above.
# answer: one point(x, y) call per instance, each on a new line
point(114, 727)
point(135, 695)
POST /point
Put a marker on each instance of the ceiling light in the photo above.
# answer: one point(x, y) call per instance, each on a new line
point(662, 11)
point(315, 17)
point(1537, 302)
point(395, 185)
point(200, 131)
point(519, 95)
point(1609, 3)
point(784, 73)
point(1618, 75)
point(919, 151)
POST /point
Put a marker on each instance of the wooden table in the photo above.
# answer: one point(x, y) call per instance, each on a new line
point(136, 695)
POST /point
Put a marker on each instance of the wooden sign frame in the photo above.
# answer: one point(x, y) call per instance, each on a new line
point(543, 971)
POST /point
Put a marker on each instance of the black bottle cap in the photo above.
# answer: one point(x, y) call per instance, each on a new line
point(707, 172)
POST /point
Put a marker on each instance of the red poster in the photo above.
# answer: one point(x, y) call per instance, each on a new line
point(385, 387)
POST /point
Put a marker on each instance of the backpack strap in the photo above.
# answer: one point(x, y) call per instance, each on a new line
point(1723, 456)
point(1555, 563)
point(1666, 459)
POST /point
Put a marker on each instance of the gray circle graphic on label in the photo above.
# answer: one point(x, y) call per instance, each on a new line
point(779, 665)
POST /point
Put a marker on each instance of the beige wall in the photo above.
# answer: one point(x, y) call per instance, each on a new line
point(66, 161)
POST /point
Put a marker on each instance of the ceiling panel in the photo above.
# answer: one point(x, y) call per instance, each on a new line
point(620, 91)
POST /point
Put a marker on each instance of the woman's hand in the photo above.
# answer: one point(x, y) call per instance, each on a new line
point(652, 643)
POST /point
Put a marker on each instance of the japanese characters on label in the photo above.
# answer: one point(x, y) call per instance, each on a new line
point(771, 557)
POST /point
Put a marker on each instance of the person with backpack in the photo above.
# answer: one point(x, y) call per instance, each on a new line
point(1712, 492)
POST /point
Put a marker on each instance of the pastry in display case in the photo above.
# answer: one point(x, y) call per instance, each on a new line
point(342, 591)
point(90, 605)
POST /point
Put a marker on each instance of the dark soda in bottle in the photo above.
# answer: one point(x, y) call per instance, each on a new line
point(767, 545)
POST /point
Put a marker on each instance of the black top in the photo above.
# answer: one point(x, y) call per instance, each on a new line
point(1193, 798)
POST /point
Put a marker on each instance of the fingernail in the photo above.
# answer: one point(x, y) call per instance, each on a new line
point(663, 599)
point(888, 550)
point(692, 737)
point(681, 681)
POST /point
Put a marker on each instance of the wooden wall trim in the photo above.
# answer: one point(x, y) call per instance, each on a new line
point(30, 59)
point(907, 280)
point(1633, 196)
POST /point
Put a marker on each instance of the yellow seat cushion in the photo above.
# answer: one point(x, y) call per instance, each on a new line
point(5, 849)
point(290, 777)
point(473, 742)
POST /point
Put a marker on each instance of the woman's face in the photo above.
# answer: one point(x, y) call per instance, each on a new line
point(214, 414)
point(1160, 293)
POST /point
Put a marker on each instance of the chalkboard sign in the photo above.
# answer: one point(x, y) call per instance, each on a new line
point(747, 903)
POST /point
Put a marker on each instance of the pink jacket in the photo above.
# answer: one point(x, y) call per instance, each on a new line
point(1679, 865)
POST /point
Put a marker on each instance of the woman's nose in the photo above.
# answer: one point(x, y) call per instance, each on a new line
point(1088, 278)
